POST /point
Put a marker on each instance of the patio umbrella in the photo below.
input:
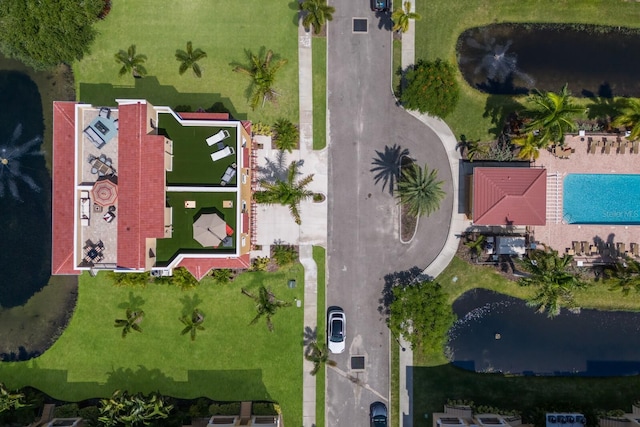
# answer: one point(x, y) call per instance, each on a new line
point(105, 191)
point(209, 230)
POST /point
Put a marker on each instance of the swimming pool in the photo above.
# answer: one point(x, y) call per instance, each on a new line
point(601, 199)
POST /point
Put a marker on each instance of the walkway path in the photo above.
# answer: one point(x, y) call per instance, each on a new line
point(457, 226)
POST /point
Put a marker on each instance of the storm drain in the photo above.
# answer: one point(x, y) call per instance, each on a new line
point(357, 363)
point(359, 25)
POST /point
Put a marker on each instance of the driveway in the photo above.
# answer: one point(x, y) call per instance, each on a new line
point(364, 246)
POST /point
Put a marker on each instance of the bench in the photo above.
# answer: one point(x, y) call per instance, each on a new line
point(221, 154)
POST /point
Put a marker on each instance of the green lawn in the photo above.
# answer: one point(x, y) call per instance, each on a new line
point(223, 29)
point(435, 380)
point(183, 218)
point(319, 65)
point(192, 164)
point(319, 256)
point(443, 21)
point(230, 360)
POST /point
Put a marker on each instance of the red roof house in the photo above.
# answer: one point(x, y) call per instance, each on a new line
point(509, 196)
point(123, 145)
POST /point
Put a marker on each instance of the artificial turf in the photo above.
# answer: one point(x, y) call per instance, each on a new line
point(226, 30)
point(183, 219)
point(229, 360)
point(192, 164)
point(443, 21)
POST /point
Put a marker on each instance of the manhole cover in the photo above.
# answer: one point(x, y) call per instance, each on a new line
point(359, 25)
point(357, 363)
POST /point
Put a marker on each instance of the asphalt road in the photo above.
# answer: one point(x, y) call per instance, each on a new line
point(364, 245)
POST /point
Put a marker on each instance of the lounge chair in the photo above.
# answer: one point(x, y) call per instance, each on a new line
point(221, 154)
point(607, 146)
point(228, 175)
point(585, 247)
point(621, 148)
point(218, 137)
point(635, 250)
point(576, 247)
point(634, 150)
point(104, 112)
point(621, 249)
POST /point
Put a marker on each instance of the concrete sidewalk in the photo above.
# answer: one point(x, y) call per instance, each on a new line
point(457, 226)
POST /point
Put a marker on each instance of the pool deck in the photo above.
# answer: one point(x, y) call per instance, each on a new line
point(560, 235)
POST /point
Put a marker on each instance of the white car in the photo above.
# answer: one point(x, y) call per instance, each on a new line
point(336, 331)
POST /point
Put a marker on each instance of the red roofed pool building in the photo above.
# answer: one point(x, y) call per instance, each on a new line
point(130, 181)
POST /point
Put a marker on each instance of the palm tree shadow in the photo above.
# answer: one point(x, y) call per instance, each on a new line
point(190, 303)
point(387, 166)
point(276, 170)
point(135, 302)
point(310, 335)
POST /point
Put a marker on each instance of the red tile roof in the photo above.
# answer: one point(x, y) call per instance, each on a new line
point(199, 267)
point(62, 261)
point(204, 116)
point(509, 196)
point(141, 186)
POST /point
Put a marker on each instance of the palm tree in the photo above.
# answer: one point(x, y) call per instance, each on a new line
point(286, 135)
point(287, 193)
point(318, 354)
point(131, 322)
point(263, 73)
point(551, 115)
point(548, 272)
point(475, 246)
point(192, 323)
point(316, 14)
point(9, 400)
point(401, 17)
point(625, 276)
point(131, 62)
point(266, 303)
point(530, 146)
point(629, 116)
point(189, 59)
point(419, 190)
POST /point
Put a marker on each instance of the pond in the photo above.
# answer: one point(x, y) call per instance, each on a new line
point(514, 58)
point(591, 343)
point(34, 307)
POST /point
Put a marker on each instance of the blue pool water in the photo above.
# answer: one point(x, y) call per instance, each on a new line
point(601, 199)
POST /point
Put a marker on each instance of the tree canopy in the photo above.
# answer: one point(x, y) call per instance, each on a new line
point(421, 314)
point(431, 87)
point(46, 33)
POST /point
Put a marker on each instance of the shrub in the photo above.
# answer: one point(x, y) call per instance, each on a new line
point(260, 128)
point(130, 279)
point(232, 408)
point(181, 278)
point(222, 276)
point(259, 264)
point(284, 255)
point(70, 410)
point(182, 108)
point(286, 135)
point(431, 88)
point(90, 415)
point(263, 408)
point(200, 408)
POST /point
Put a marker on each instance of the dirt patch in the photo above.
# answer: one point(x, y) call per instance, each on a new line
point(408, 223)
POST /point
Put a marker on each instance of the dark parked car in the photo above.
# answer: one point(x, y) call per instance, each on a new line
point(380, 5)
point(378, 414)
